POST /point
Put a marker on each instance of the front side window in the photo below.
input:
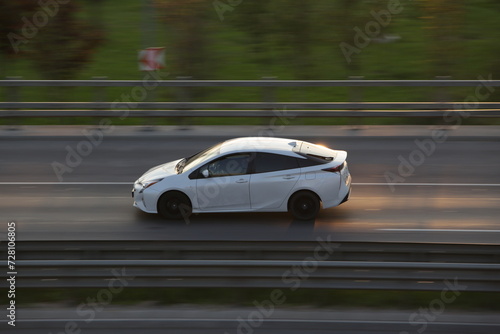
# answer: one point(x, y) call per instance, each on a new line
point(235, 164)
point(269, 162)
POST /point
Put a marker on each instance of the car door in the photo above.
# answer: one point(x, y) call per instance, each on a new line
point(273, 178)
point(223, 184)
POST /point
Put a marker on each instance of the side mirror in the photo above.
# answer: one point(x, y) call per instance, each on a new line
point(205, 173)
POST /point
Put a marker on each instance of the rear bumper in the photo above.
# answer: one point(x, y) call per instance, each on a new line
point(346, 179)
point(346, 198)
point(332, 199)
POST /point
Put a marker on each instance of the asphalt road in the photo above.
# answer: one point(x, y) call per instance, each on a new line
point(452, 196)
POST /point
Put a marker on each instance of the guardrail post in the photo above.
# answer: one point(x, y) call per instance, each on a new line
point(148, 123)
point(443, 92)
point(12, 92)
point(356, 93)
point(183, 95)
point(12, 95)
point(100, 93)
point(268, 96)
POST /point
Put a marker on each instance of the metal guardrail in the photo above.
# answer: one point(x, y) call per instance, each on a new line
point(278, 264)
point(255, 250)
point(244, 109)
point(263, 274)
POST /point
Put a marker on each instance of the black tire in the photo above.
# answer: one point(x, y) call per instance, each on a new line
point(174, 205)
point(304, 205)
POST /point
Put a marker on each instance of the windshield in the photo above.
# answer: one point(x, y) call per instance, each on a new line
point(198, 158)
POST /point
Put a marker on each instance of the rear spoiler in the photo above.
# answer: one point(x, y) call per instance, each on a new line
point(317, 151)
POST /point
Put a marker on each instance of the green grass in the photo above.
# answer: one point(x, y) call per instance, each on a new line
point(230, 56)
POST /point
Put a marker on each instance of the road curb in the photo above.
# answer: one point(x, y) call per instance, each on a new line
point(471, 131)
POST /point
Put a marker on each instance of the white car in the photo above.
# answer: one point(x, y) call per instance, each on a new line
point(249, 174)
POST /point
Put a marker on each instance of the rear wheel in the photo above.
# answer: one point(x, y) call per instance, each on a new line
point(304, 205)
point(174, 205)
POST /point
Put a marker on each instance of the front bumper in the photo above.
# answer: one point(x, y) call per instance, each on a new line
point(140, 198)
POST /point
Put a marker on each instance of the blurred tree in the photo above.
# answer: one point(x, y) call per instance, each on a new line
point(96, 14)
point(443, 25)
point(65, 44)
point(295, 27)
point(344, 17)
point(359, 24)
point(257, 19)
point(187, 19)
point(11, 24)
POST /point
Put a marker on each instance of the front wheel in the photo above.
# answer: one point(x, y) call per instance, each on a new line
point(304, 205)
point(174, 205)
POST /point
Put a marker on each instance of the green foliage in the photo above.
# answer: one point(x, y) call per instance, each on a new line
point(444, 27)
point(286, 39)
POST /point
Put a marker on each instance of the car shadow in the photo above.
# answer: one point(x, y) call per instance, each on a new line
point(233, 221)
point(302, 225)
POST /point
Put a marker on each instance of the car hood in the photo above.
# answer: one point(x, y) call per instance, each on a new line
point(160, 171)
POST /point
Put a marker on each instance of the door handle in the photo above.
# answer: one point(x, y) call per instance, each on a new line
point(241, 181)
point(288, 177)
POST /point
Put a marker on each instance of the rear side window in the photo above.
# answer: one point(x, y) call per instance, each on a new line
point(269, 162)
point(310, 160)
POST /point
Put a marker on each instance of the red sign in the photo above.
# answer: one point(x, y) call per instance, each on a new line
point(151, 59)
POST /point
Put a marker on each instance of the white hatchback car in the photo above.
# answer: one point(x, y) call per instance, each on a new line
point(258, 174)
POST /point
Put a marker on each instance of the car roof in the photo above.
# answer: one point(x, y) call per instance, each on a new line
point(260, 144)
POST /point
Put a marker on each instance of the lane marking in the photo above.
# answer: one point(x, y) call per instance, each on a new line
point(427, 198)
point(69, 197)
point(431, 184)
point(63, 183)
point(434, 230)
point(225, 320)
point(354, 184)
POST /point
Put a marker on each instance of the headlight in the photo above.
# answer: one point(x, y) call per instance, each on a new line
point(149, 183)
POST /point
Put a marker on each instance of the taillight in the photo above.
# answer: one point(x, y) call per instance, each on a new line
point(335, 169)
